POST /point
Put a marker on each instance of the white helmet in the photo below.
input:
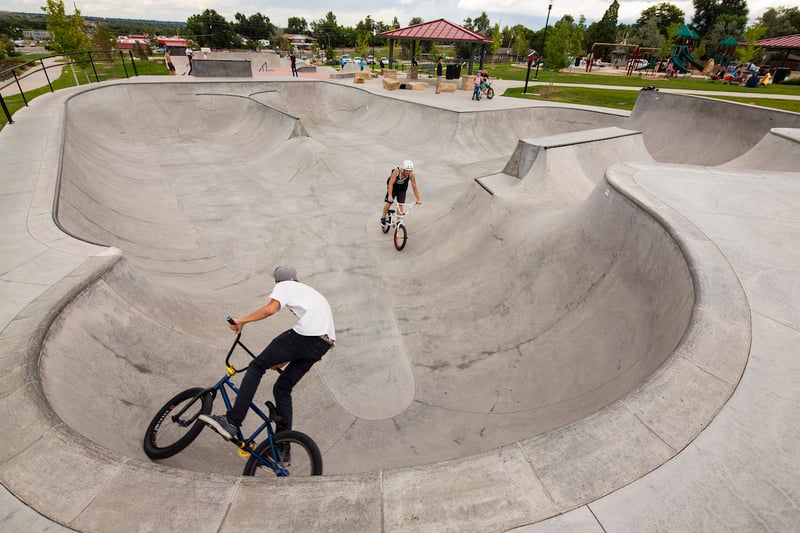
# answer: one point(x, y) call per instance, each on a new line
point(408, 165)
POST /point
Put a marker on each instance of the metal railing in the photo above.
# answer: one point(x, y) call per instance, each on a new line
point(81, 59)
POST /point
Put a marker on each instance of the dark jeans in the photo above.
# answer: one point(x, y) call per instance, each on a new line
point(300, 351)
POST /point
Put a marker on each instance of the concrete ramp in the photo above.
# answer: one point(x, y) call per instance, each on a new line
point(702, 131)
point(561, 170)
point(779, 150)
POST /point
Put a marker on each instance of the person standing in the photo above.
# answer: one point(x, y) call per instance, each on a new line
point(295, 350)
point(476, 90)
point(439, 67)
point(189, 56)
point(293, 60)
point(168, 61)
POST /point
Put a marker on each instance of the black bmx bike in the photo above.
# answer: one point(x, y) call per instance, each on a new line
point(282, 453)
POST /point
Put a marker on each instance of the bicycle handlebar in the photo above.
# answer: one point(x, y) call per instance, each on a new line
point(231, 369)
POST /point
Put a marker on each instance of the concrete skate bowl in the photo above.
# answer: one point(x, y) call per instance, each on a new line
point(504, 326)
point(693, 130)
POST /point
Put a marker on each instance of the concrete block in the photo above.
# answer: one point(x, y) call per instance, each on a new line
point(358, 79)
point(467, 82)
point(389, 73)
point(222, 68)
point(390, 84)
point(364, 75)
point(447, 87)
point(417, 86)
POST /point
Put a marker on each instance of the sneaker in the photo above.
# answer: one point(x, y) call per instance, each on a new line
point(220, 424)
point(285, 453)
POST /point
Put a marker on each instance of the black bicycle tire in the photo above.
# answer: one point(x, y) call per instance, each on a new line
point(293, 437)
point(400, 230)
point(489, 93)
point(153, 450)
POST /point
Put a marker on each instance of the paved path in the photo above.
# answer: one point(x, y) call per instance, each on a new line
point(35, 78)
point(700, 444)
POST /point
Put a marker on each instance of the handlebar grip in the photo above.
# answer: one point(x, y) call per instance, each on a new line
point(230, 320)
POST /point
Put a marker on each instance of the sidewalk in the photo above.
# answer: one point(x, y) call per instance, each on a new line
point(33, 78)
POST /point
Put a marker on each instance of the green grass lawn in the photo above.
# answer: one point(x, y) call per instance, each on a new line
point(617, 99)
point(105, 71)
point(625, 99)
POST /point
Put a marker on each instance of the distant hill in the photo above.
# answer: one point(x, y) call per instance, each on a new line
point(12, 15)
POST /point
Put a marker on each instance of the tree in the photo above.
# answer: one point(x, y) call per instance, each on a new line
point(664, 14)
point(297, 25)
point(706, 13)
point(557, 46)
point(521, 40)
point(648, 35)
point(254, 27)
point(103, 39)
point(751, 51)
point(211, 29)
point(723, 28)
point(482, 24)
point(605, 30)
point(780, 21)
point(328, 30)
point(67, 32)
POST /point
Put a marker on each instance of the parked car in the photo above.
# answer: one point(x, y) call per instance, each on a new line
point(384, 62)
point(346, 58)
point(370, 59)
point(357, 60)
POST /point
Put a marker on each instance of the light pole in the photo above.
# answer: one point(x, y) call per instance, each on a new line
point(544, 37)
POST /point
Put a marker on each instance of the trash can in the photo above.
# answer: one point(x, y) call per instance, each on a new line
point(450, 72)
point(780, 74)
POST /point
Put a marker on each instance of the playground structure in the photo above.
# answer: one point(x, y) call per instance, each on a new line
point(681, 55)
point(639, 52)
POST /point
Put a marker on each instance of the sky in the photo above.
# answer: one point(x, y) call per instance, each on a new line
point(529, 13)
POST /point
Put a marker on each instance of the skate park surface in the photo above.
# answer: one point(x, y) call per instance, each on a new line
point(592, 328)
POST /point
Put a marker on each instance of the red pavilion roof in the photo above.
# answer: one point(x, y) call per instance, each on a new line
point(787, 41)
point(437, 30)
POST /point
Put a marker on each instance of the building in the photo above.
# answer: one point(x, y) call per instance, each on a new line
point(129, 42)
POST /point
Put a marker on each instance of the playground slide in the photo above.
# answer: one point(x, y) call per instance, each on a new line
point(679, 64)
point(684, 54)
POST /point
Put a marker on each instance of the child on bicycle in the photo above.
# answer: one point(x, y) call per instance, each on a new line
point(397, 185)
point(300, 347)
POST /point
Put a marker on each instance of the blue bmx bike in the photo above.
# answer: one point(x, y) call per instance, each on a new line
point(282, 453)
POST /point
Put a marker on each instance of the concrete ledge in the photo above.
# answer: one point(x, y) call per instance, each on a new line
point(222, 68)
point(390, 85)
point(342, 75)
point(447, 87)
